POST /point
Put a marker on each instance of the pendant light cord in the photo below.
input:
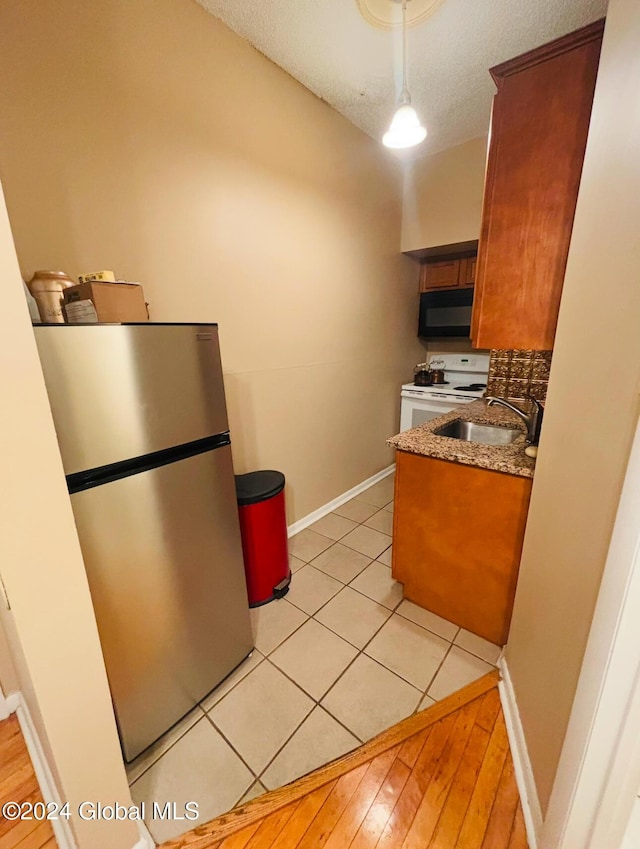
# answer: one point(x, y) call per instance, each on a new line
point(405, 97)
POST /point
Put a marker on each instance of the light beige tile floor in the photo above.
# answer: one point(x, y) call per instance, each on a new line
point(256, 789)
point(338, 660)
point(295, 563)
point(458, 669)
point(435, 624)
point(357, 510)
point(381, 521)
point(319, 739)
point(312, 589)
point(353, 616)
point(410, 651)
point(341, 563)
point(314, 657)
point(369, 698)
point(273, 623)
point(367, 541)
point(385, 557)
point(476, 645)
point(379, 494)
point(201, 767)
point(426, 702)
point(260, 714)
point(376, 582)
point(334, 526)
point(308, 544)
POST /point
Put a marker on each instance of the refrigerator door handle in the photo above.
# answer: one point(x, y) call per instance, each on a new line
point(80, 481)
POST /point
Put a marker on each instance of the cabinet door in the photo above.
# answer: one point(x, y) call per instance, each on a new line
point(539, 131)
point(457, 540)
point(439, 275)
point(467, 271)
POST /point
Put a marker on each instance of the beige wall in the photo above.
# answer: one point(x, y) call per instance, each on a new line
point(144, 136)
point(443, 196)
point(442, 205)
point(448, 346)
point(592, 410)
point(52, 628)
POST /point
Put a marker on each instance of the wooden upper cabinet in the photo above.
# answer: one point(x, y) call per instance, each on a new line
point(467, 271)
point(539, 129)
point(439, 275)
point(447, 274)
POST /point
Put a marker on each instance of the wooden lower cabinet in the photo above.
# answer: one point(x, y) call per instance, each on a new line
point(457, 540)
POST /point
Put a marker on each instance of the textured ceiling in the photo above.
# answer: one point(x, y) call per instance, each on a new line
point(329, 48)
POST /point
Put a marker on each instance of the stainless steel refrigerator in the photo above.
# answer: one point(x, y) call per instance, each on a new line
point(140, 414)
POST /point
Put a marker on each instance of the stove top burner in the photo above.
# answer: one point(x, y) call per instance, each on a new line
point(472, 387)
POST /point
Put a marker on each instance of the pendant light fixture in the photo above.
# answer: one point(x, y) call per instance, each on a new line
point(406, 129)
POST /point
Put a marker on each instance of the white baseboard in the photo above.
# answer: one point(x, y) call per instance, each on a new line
point(61, 828)
point(303, 523)
point(5, 708)
point(146, 840)
point(13, 702)
point(520, 754)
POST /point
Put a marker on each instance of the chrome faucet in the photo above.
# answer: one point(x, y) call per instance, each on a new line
point(532, 420)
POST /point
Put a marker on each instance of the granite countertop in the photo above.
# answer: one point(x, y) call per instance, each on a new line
point(510, 459)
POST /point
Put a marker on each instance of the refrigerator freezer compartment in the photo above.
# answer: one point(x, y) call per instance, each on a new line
point(123, 391)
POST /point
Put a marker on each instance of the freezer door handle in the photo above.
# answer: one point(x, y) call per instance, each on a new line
point(116, 471)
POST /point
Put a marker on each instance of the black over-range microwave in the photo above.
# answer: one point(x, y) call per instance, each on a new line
point(445, 313)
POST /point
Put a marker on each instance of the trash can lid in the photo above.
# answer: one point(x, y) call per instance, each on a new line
point(258, 486)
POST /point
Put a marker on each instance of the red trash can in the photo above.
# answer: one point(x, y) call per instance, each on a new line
point(263, 526)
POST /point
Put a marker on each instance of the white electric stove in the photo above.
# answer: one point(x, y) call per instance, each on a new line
point(466, 380)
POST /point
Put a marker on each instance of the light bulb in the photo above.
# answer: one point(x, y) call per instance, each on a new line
point(405, 130)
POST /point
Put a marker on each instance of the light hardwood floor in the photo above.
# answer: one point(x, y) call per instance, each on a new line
point(18, 784)
point(442, 779)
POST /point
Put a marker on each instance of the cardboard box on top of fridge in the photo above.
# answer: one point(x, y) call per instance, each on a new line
point(113, 302)
point(81, 312)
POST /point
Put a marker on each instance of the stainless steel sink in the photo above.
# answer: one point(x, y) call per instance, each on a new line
point(485, 434)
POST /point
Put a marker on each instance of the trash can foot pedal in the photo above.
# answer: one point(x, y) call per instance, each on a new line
point(282, 588)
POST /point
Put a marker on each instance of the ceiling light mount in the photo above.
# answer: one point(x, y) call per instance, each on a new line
point(384, 13)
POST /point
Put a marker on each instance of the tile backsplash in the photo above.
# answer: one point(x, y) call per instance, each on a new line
point(518, 374)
